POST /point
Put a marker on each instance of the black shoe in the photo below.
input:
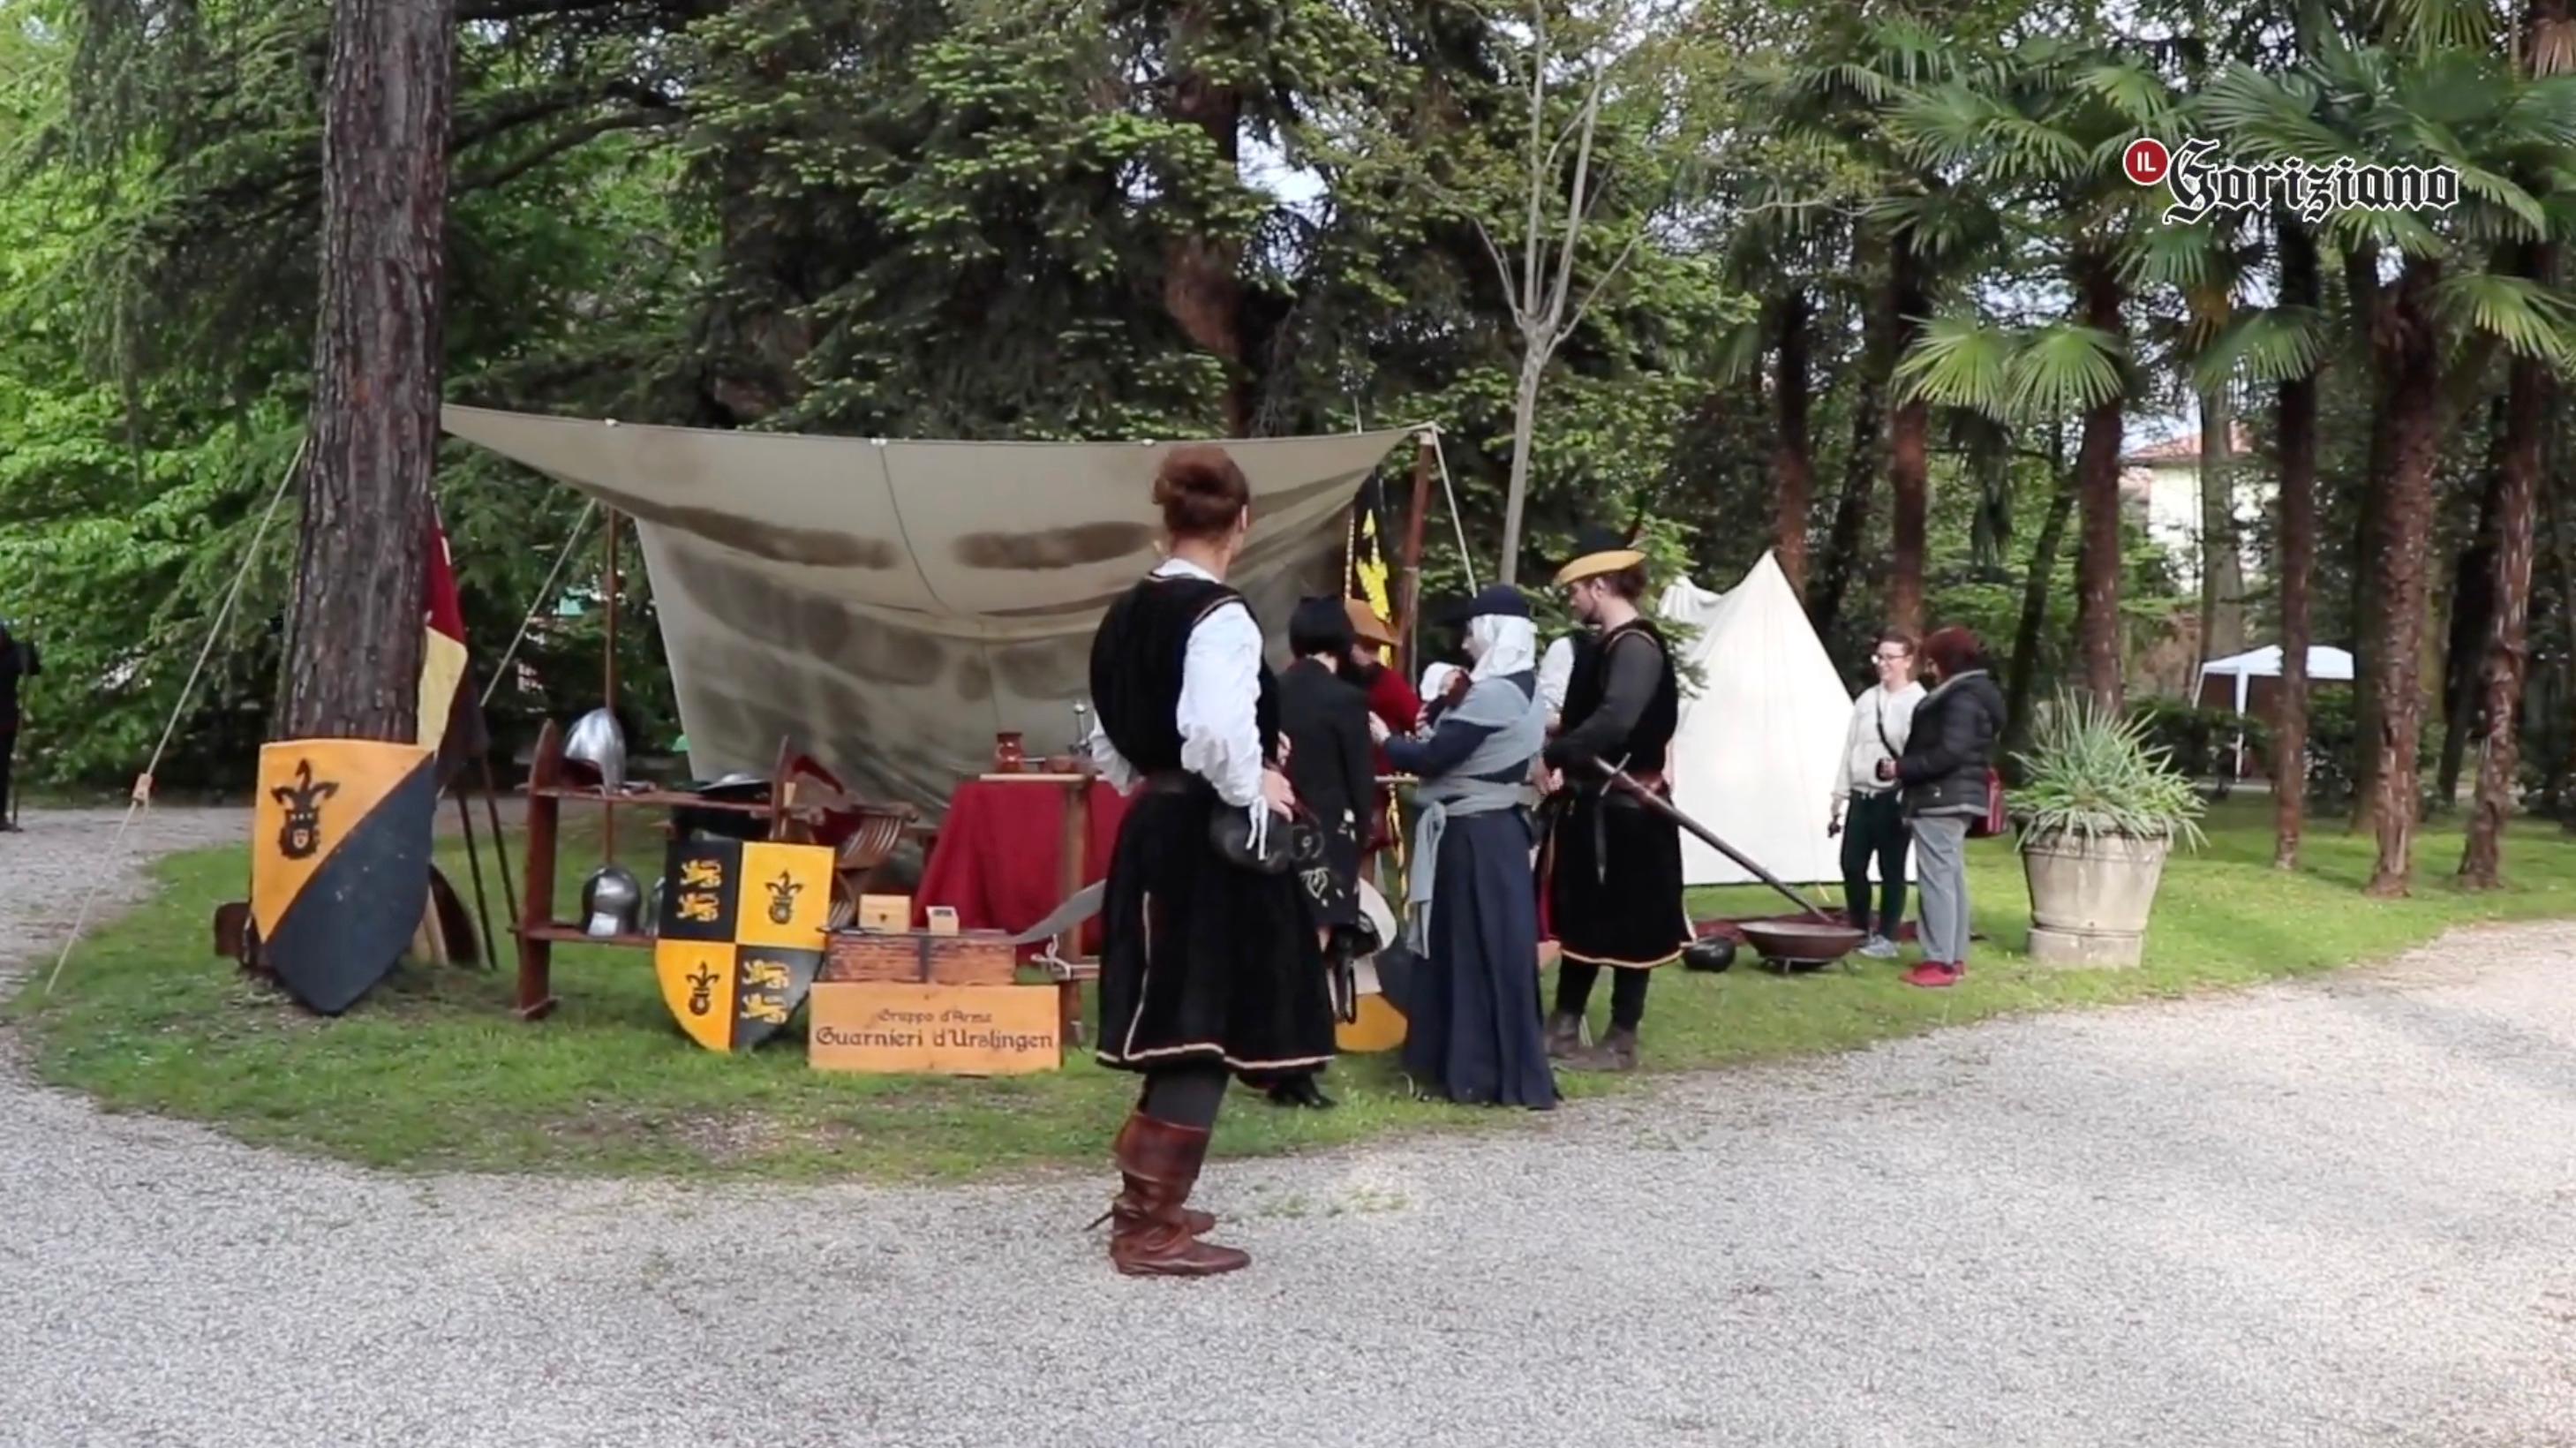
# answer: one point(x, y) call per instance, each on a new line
point(1301, 1091)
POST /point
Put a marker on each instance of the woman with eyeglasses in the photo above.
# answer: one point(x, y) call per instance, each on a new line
point(1868, 813)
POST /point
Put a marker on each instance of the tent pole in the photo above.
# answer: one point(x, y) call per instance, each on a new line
point(608, 813)
point(1409, 627)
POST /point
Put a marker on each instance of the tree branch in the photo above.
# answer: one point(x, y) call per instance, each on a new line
point(507, 10)
point(569, 140)
point(1575, 209)
point(1538, 127)
point(1616, 265)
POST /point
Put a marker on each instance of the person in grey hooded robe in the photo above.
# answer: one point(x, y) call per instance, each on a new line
point(1472, 1022)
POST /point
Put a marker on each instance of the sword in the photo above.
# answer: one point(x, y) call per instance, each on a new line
point(1081, 906)
point(1665, 807)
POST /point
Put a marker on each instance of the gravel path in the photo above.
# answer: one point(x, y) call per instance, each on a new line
point(2328, 1214)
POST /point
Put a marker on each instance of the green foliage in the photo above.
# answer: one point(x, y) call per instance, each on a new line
point(2200, 743)
point(2090, 772)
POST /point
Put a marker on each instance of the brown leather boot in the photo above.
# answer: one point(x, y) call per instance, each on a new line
point(1161, 1163)
point(1130, 1201)
point(1564, 1035)
point(1617, 1052)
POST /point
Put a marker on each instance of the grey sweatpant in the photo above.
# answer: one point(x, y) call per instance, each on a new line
point(1941, 878)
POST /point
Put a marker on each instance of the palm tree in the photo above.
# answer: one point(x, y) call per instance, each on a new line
point(2431, 332)
point(1926, 226)
point(2052, 120)
point(2548, 49)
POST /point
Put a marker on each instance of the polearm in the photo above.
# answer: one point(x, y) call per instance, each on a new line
point(1620, 778)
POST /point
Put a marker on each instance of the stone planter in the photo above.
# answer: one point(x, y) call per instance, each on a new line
point(2089, 898)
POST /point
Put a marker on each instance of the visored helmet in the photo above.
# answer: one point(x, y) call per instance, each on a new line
point(611, 902)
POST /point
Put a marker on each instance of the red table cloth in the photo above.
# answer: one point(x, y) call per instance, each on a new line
point(999, 859)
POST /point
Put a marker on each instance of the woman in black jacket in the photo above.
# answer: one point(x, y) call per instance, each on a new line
point(1944, 773)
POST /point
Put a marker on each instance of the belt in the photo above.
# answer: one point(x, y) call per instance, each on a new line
point(1172, 781)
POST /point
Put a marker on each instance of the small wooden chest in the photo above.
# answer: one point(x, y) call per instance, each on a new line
point(983, 957)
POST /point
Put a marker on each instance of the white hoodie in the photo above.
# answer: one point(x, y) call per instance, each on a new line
point(1875, 710)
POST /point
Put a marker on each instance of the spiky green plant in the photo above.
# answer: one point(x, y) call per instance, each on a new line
point(2091, 772)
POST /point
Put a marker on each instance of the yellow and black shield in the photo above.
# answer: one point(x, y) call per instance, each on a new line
point(339, 862)
point(740, 936)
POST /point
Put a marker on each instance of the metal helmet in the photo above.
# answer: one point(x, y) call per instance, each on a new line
point(611, 902)
point(598, 742)
point(1709, 952)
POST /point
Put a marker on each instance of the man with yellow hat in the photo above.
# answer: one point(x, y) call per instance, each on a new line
point(1615, 887)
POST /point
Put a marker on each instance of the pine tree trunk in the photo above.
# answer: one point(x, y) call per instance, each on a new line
point(1202, 274)
point(2037, 585)
point(2411, 363)
point(2222, 572)
point(2530, 394)
point(2097, 467)
point(1792, 456)
point(1909, 463)
point(2298, 550)
point(1860, 479)
point(355, 670)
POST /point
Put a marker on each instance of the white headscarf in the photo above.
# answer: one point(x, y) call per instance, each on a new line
point(1503, 645)
point(1436, 678)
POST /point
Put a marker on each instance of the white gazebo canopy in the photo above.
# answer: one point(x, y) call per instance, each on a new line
point(2324, 663)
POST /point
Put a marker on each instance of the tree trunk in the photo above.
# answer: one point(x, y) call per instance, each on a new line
point(1524, 426)
point(2368, 608)
point(1792, 451)
point(355, 672)
point(1202, 274)
point(2037, 586)
point(2298, 555)
point(2530, 394)
point(1909, 463)
point(2410, 356)
point(1860, 478)
point(2472, 619)
point(2097, 467)
point(2222, 571)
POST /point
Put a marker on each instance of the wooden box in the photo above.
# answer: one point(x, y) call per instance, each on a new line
point(983, 957)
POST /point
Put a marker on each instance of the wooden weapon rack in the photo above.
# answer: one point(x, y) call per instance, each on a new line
point(804, 805)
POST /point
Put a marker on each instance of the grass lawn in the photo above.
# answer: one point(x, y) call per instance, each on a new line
point(432, 1073)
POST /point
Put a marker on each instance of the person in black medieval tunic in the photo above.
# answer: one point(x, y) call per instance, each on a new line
point(1208, 967)
point(1615, 879)
point(1332, 765)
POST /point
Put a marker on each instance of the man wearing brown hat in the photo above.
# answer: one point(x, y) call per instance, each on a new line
point(1615, 886)
point(1390, 698)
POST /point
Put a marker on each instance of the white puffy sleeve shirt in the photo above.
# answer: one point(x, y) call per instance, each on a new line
point(1220, 680)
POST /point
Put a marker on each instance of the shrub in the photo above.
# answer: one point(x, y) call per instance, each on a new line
point(2091, 772)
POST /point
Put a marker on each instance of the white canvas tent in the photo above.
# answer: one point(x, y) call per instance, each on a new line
point(891, 605)
point(2325, 665)
point(1759, 741)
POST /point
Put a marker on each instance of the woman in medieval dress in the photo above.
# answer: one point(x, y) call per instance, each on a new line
point(1472, 1028)
point(1208, 967)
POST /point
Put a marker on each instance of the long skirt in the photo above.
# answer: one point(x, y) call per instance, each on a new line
point(1202, 960)
point(1615, 885)
point(1472, 1029)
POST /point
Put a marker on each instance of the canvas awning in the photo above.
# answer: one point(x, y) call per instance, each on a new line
point(2327, 665)
point(891, 605)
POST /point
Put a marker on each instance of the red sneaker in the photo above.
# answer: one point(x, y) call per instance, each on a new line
point(1933, 973)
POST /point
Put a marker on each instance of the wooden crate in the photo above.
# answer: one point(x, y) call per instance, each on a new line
point(917, 957)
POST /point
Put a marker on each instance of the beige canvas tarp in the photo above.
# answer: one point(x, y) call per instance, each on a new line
point(891, 605)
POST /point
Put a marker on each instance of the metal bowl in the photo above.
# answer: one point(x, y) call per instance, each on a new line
point(1791, 943)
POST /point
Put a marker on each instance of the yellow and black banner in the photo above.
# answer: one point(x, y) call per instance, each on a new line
point(740, 936)
point(339, 873)
point(1370, 579)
